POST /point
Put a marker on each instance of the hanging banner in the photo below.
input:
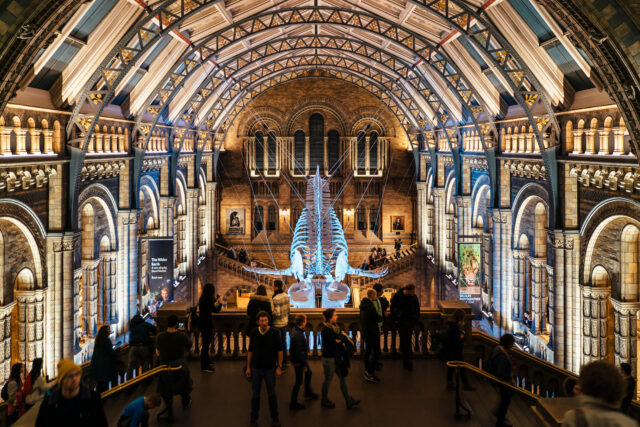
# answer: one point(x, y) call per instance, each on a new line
point(160, 273)
point(470, 276)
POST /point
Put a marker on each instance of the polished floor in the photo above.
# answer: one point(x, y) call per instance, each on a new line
point(402, 398)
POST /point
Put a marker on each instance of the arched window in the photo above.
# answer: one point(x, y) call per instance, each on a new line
point(373, 219)
point(373, 152)
point(271, 151)
point(259, 150)
point(299, 150)
point(272, 218)
point(333, 150)
point(316, 142)
point(361, 218)
point(361, 152)
point(258, 218)
point(629, 260)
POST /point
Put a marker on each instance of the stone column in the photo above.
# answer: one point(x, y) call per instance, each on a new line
point(439, 235)
point(591, 141)
point(5, 340)
point(594, 322)
point(464, 216)
point(604, 140)
point(166, 211)
point(5, 141)
point(502, 268)
point(191, 244)
point(519, 260)
point(48, 141)
point(29, 324)
point(625, 335)
point(210, 218)
point(577, 141)
point(126, 293)
point(618, 141)
point(21, 141)
point(421, 217)
point(538, 280)
point(91, 298)
point(98, 142)
point(35, 141)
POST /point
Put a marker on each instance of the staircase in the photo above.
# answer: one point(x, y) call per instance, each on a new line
point(404, 263)
point(234, 268)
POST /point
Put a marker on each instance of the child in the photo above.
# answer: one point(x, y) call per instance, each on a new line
point(136, 414)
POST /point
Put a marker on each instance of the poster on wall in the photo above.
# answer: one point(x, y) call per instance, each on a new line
point(160, 264)
point(470, 276)
point(235, 222)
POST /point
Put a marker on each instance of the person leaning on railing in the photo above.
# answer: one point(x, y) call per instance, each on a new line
point(501, 366)
point(141, 343)
point(71, 403)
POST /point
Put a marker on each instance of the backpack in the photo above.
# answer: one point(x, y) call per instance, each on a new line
point(439, 341)
point(5, 391)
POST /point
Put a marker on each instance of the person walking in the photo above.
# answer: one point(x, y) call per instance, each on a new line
point(35, 385)
point(629, 388)
point(299, 359)
point(264, 362)
point(103, 362)
point(501, 366)
point(257, 303)
point(70, 403)
point(141, 342)
point(382, 305)
point(136, 413)
point(331, 343)
point(405, 311)
point(453, 350)
point(208, 304)
point(601, 388)
point(370, 317)
point(171, 346)
point(281, 316)
point(14, 392)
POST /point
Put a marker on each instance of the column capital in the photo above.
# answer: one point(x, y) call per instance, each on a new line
point(625, 308)
point(596, 292)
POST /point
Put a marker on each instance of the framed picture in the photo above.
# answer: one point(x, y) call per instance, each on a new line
point(397, 223)
point(235, 221)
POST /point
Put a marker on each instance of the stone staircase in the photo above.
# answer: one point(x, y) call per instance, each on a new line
point(399, 266)
point(226, 266)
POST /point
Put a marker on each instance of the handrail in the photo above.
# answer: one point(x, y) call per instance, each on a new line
point(257, 262)
point(457, 364)
point(150, 373)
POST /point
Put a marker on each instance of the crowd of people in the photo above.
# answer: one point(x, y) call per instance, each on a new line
point(604, 392)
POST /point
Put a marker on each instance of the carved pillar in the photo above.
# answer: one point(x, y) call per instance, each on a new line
point(5, 141)
point(35, 141)
point(126, 293)
point(421, 216)
point(618, 141)
point(577, 141)
point(91, 298)
point(98, 142)
point(538, 280)
point(625, 335)
point(463, 204)
point(591, 141)
point(166, 212)
point(210, 218)
point(29, 324)
point(48, 141)
point(502, 268)
point(594, 322)
point(5, 340)
point(518, 293)
point(604, 140)
point(21, 141)
point(191, 237)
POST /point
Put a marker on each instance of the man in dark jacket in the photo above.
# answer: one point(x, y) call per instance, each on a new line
point(329, 336)
point(299, 358)
point(369, 319)
point(70, 403)
point(629, 388)
point(384, 305)
point(264, 362)
point(454, 345)
point(140, 333)
point(501, 366)
point(405, 311)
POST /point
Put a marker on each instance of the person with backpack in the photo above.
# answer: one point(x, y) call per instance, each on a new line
point(453, 348)
point(103, 362)
point(405, 311)
point(335, 358)
point(208, 304)
point(35, 385)
point(12, 392)
point(140, 342)
point(281, 309)
point(501, 366)
point(299, 359)
point(136, 413)
point(370, 319)
point(71, 403)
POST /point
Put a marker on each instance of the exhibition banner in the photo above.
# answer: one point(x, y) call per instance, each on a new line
point(470, 276)
point(160, 273)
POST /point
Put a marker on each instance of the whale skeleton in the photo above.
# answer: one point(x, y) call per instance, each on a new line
point(319, 247)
